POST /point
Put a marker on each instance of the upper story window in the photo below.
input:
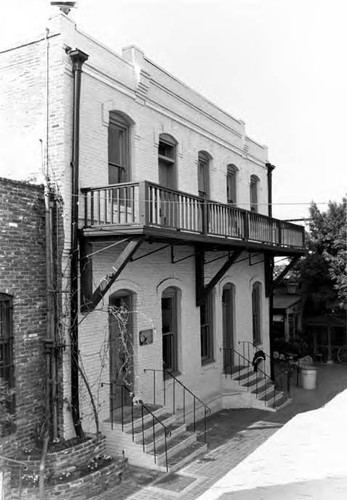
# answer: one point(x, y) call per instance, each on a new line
point(118, 149)
point(167, 161)
point(204, 174)
point(7, 401)
point(231, 184)
point(254, 187)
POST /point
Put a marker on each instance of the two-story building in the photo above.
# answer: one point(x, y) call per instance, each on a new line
point(168, 239)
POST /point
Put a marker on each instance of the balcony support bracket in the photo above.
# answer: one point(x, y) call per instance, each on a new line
point(173, 261)
point(109, 279)
point(202, 291)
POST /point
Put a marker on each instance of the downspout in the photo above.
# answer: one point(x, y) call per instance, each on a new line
point(270, 168)
point(51, 402)
point(78, 58)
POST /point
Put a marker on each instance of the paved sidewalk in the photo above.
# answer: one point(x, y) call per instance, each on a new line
point(255, 454)
point(305, 456)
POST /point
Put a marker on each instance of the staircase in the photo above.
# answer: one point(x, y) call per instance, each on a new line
point(152, 436)
point(261, 386)
point(268, 394)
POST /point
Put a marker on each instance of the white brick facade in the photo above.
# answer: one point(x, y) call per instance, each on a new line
point(154, 102)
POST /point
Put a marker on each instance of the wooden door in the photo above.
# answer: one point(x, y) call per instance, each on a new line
point(228, 327)
point(121, 348)
point(169, 329)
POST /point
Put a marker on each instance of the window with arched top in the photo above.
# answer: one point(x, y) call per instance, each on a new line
point(167, 150)
point(118, 148)
point(254, 188)
point(204, 174)
point(256, 312)
point(232, 171)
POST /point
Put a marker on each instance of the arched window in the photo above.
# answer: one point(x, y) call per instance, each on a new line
point(256, 312)
point(167, 161)
point(231, 184)
point(254, 186)
point(118, 149)
point(6, 362)
point(169, 314)
point(204, 174)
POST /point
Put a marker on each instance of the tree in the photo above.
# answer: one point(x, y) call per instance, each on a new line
point(323, 272)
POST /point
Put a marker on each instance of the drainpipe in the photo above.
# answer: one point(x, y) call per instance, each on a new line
point(270, 168)
point(51, 367)
point(78, 58)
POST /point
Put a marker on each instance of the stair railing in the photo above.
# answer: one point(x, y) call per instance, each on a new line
point(197, 402)
point(231, 356)
point(155, 420)
point(248, 346)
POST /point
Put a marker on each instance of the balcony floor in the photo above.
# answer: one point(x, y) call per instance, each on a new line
point(179, 237)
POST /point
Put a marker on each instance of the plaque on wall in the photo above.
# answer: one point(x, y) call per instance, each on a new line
point(146, 336)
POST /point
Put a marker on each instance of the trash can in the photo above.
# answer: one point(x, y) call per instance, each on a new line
point(308, 377)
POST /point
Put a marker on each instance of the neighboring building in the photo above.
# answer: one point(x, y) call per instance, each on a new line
point(175, 239)
point(23, 308)
point(287, 312)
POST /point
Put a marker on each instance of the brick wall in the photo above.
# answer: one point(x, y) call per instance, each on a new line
point(23, 275)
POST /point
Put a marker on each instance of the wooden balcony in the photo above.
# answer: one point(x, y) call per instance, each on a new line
point(163, 214)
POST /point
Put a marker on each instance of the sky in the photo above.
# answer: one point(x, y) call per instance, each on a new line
point(279, 65)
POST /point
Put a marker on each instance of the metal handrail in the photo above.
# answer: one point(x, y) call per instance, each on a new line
point(167, 432)
point(207, 409)
point(259, 370)
point(267, 356)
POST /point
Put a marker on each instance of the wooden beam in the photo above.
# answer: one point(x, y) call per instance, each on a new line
point(109, 279)
point(199, 275)
point(219, 275)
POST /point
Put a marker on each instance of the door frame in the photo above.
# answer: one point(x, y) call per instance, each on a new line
point(228, 324)
point(116, 379)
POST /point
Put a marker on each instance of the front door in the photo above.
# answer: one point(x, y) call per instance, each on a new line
point(121, 348)
point(228, 327)
point(169, 329)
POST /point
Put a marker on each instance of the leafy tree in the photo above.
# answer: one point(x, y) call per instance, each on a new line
point(323, 272)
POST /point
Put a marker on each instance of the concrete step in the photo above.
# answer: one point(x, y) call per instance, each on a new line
point(281, 401)
point(146, 430)
point(135, 414)
point(255, 380)
point(175, 445)
point(262, 388)
point(175, 428)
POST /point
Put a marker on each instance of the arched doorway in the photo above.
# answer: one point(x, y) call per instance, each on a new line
point(228, 315)
point(121, 347)
point(169, 313)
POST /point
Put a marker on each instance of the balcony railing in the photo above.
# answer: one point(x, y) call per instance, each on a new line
point(147, 204)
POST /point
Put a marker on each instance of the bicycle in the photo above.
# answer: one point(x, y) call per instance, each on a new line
point(341, 354)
